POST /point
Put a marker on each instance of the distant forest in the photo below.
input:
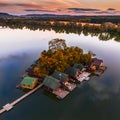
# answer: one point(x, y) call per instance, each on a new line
point(87, 19)
point(108, 27)
point(49, 17)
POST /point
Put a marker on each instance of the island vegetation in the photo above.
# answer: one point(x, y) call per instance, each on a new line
point(59, 57)
point(60, 68)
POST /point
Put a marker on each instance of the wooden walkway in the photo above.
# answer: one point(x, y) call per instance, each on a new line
point(83, 76)
point(9, 106)
point(60, 93)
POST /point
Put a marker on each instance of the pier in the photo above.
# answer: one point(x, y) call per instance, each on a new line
point(9, 106)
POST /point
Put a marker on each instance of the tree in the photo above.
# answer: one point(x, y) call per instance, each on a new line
point(61, 57)
point(107, 26)
point(57, 44)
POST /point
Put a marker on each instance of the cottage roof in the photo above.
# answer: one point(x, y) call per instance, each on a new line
point(28, 81)
point(51, 82)
point(71, 71)
point(97, 62)
point(60, 76)
point(78, 66)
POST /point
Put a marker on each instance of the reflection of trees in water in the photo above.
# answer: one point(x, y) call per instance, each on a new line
point(105, 36)
point(104, 32)
point(117, 38)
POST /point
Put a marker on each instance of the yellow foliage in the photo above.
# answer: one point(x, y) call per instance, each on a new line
point(59, 60)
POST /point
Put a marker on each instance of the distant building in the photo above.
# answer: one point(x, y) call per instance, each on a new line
point(29, 82)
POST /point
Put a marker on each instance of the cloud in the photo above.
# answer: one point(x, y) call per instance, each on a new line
point(38, 10)
point(103, 12)
point(59, 10)
point(4, 4)
point(111, 9)
point(57, 6)
point(83, 9)
point(110, 12)
point(93, 11)
point(29, 4)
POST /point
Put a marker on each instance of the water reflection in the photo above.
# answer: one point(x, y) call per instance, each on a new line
point(91, 100)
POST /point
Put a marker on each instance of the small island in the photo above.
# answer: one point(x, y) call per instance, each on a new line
point(61, 68)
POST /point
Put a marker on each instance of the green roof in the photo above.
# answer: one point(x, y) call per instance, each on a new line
point(71, 71)
point(28, 81)
point(60, 76)
point(51, 82)
point(78, 66)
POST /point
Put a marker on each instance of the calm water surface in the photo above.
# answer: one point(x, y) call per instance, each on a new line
point(97, 99)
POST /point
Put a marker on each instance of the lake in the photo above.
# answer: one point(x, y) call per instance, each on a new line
point(97, 99)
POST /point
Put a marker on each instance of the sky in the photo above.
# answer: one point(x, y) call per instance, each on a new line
point(62, 7)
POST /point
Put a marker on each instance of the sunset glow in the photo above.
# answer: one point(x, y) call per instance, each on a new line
point(71, 7)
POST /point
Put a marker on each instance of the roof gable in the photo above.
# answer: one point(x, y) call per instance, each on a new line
point(60, 76)
point(28, 81)
point(71, 71)
point(51, 82)
point(97, 61)
point(78, 66)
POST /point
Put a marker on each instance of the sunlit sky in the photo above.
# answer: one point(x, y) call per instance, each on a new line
point(71, 7)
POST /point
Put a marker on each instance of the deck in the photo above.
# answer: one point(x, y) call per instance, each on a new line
point(70, 86)
point(60, 93)
point(100, 71)
point(83, 76)
point(9, 106)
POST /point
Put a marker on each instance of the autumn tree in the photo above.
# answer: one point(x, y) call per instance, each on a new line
point(59, 57)
point(57, 44)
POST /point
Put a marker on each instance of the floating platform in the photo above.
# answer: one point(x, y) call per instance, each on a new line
point(83, 76)
point(70, 86)
point(9, 106)
point(100, 71)
point(60, 93)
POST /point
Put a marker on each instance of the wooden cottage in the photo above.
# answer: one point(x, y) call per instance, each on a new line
point(79, 66)
point(54, 86)
point(64, 79)
point(51, 83)
point(73, 72)
point(61, 76)
point(76, 74)
point(29, 82)
point(95, 64)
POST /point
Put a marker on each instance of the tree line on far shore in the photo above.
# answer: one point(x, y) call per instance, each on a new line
point(104, 31)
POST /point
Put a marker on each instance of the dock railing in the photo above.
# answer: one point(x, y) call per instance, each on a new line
point(9, 106)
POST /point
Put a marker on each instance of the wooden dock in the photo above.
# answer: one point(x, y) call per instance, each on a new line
point(60, 93)
point(70, 86)
point(9, 106)
point(83, 76)
point(100, 71)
